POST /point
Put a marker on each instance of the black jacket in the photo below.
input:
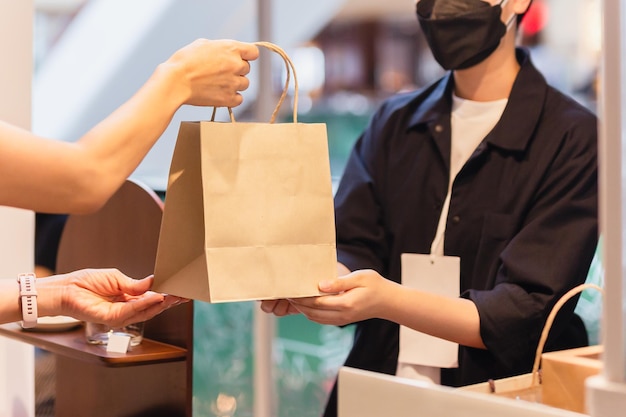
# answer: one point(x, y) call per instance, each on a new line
point(522, 218)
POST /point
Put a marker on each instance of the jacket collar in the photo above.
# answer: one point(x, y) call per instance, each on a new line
point(521, 115)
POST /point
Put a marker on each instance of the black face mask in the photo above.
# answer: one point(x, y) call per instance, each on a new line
point(461, 33)
point(450, 8)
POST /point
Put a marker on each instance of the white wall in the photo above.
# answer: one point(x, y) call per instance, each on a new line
point(17, 397)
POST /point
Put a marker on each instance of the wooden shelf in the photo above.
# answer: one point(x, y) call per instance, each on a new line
point(72, 344)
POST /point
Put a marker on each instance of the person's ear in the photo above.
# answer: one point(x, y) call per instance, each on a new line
point(521, 6)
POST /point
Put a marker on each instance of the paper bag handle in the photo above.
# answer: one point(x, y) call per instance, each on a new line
point(546, 328)
point(290, 69)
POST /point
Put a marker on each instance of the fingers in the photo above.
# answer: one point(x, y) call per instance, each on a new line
point(138, 309)
point(329, 302)
point(336, 286)
point(346, 282)
point(156, 309)
point(135, 286)
point(244, 83)
point(269, 306)
point(315, 312)
point(175, 300)
point(213, 71)
point(249, 52)
point(279, 308)
point(245, 68)
point(146, 307)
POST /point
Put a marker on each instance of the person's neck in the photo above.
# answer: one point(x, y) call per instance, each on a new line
point(493, 78)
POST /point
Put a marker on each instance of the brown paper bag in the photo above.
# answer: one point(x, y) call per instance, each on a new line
point(541, 386)
point(564, 374)
point(248, 210)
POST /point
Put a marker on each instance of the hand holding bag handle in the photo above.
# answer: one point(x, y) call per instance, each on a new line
point(289, 68)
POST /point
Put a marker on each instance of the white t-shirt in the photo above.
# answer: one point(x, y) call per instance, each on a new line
point(470, 122)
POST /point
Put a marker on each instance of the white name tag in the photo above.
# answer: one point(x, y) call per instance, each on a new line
point(437, 275)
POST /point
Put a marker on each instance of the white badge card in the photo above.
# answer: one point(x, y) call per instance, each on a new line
point(437, 275)
point(118, 343)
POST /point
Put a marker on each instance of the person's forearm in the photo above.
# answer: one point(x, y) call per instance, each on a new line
point(9, 301)
point(79, 177)
point(117, 145)
point(61, 177)
point(454, 319)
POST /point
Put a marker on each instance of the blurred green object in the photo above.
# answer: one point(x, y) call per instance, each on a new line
point(343, 130)
point(589, 306)
point(222, 357)
point(306, 358)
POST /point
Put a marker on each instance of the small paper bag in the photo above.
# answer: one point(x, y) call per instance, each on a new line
point(248, 210)
point(545, 385)
point(564, 374)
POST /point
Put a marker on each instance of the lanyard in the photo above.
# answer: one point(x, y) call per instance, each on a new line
point(436, 247)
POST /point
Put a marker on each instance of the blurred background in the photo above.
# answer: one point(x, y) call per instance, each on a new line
point(91, 55)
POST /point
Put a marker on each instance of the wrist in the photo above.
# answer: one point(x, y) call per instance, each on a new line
point(172, 80)
point(50, 297)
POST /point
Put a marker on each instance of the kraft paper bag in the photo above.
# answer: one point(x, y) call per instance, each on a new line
point(545, 385)
point(248, 210)
point(564, 374)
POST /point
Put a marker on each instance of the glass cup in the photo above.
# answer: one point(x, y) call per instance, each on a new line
point(98, 334)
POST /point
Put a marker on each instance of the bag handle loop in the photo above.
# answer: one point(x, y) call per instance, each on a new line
point(290, 69)
point(546, 328)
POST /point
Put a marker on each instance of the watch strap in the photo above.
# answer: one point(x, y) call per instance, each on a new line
point(28, 297)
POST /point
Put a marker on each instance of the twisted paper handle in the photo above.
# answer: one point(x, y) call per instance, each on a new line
point(290, 69)
point(546, 328)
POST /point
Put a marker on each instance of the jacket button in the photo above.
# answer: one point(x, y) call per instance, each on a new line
point(438, 128)
point(456, 219)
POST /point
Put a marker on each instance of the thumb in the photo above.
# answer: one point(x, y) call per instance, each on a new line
point(249, 52)
point(337, 285)
point(136, 286)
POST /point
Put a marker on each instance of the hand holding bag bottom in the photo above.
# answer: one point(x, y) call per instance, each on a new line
point(248, 210)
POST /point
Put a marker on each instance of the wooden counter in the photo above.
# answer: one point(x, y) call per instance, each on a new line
point(72, 344)
point(152, 379)
point(148, 380)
